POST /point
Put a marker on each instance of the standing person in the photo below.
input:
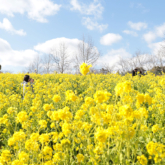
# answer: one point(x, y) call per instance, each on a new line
point(140, 73)
point(134, 72)
point(25, 83)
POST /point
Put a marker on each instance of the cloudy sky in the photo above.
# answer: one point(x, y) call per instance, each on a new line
point(119, 28)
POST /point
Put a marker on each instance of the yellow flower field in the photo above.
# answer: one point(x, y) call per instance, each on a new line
point(82, 120)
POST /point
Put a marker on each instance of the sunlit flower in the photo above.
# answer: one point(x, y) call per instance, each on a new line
point(84, 68)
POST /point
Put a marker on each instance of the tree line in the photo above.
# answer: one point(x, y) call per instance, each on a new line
point(61, 61)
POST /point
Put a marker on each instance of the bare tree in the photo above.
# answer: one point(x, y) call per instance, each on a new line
point(35, 66)
point(161, 58)
point(123, 65)
point(87, 52)
point(47, 63)
point(108, 68)
point(151, 62)
point(138, 60)
point(163, 46)
point(60, 57)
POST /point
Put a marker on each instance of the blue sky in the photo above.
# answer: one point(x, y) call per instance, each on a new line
point(118, 28)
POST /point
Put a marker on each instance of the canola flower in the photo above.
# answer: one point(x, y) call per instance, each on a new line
point(84, 68)
point(91, 119)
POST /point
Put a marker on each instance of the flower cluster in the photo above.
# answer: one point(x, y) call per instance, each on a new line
point(73, 119)
point(84, 68)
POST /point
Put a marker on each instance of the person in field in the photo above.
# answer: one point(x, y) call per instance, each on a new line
point(25, 83)
point(134, 72)
point(140, 73)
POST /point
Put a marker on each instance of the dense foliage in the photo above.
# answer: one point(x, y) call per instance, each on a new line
point(82, 119)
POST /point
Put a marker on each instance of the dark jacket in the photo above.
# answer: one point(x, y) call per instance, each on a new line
point(134, 73)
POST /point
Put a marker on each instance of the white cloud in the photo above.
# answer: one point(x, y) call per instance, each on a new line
point(6, 25)
point(110, 38)
point(156, 47)
point(112, 57)
point(35, 9)
point(50, 45)
point(91, 25)
point(93, 9)
point(139, 6)
point(10, 57)
point(92, 12)
point(149, 37)
point(4, 46)
point(22, 58)
point(159, 31)
point(76, 5)
point(138, 25)
point(71, 45)
point(130, 32)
